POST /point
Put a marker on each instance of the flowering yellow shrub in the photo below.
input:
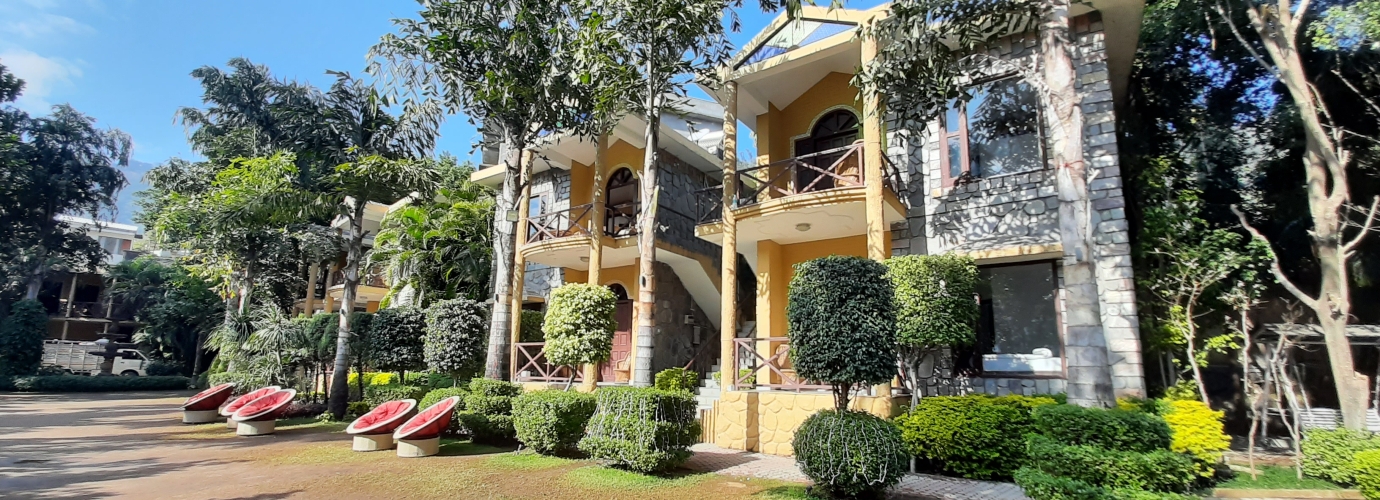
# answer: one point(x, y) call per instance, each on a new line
point(386, 378)
point(1197, 430)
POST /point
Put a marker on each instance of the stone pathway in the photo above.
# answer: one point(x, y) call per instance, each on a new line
point(712, 458)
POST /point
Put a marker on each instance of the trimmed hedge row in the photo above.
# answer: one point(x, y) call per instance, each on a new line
point(437, 395)
point(79, 383)
point(376, 395)
point(1110, 429)
point(552, 422)
point(488, 411)
point(1330, 454)
point(641, 429)
point(1367, 469)
point(976, 436)
point(1158, 470)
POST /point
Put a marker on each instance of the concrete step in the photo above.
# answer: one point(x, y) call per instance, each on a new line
point(709, 393)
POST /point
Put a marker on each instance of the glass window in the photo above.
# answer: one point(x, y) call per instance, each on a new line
point(1019, 330)
point(794, 35)
point(997, 131)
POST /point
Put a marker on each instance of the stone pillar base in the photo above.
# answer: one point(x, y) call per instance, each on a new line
point(256, 428)
point(231, 424)
point(411, 448)
point(200, 417)
point(373, 442)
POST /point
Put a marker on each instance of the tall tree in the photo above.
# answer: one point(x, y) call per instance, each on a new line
point(501, 62)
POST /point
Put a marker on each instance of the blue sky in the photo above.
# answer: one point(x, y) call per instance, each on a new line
point(127, 62)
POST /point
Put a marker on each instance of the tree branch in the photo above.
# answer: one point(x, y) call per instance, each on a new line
point(1275, 269)
point(1225, 13)
point(1365, 228)
point(1373, 107)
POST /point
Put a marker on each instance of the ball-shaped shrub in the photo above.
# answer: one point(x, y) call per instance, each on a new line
point(974, 436)
point(530, 329)
point(641, 429)
point(934, 300)
point(1197, 431)
point(841, 319)
point(579, 324)
point(395, 339)
point(1108, 429)
point(850, 453)
point(21, 338)
point(676, 379)
point(457, 336)
point(488, 411)
point(552, 422)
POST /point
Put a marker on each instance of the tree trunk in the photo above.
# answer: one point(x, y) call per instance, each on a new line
point(340, 391)
point(646, 249)
point(247, 288)
point(1191, 349)
point(505, 241)
point(1090, 378)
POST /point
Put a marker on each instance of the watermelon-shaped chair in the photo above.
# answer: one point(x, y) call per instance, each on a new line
point(201, 408)
point(237, 403)
point(258, 417)
point(373, 431)
point(421, 435)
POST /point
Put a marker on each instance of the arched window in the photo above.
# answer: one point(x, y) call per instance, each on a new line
point(834, 130)
point(621, 204)
point(619, 291)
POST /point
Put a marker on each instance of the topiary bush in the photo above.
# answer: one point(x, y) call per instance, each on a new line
point(934, 299)
point(376, 395)
point(974, 436)
point(436, 395)
point(530, 329)
point(1366, 470)
point(641, 429)
point(457, 337)
point(552, 422)
point(841, 320)
point(21, 338)
point(850, 453)
point(396, 338)
point(1109, 429)
point(1197, 431)
point(1329, 454)
point(488, 411)
point(81, 383)
point(579, 324)
point(1158, 470)
point(677, 379)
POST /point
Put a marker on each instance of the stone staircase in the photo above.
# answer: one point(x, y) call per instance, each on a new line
point(708, 391)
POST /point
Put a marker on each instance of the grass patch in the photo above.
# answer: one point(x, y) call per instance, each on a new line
point(451, 447)
point(786, 492)
point(525, 461)
point(605, 478)
point(310, 424)
point(1277, 478)
point(326, 454)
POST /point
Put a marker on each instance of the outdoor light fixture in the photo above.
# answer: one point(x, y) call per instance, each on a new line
point(584, 259)
point(802, 227)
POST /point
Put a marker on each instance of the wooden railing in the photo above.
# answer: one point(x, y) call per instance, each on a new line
point(621, 220)
point(372, 276)
point(780, 373)
point(574, 221)
point(812, 173)
point(533, 366)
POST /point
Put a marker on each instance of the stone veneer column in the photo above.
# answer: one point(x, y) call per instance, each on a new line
point(519, 263)
point(728, 280)
point(878, 245)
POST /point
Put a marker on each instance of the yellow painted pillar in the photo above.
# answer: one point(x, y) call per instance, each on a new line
point(372, 306)
point(771, 301)
point(728, 279)
point(309, 304)
point(878, 244)
point(519, 264)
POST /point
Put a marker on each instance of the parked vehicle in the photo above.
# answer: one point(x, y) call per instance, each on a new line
point(76, 358)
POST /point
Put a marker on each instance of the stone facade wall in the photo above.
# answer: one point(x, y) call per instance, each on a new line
point(541, 279)
point(553, 187)
point(676, 214)
point(675, 341)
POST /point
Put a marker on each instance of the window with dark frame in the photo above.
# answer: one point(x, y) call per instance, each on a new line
point(1018, 333)
point(995, 132)
point(534, 206)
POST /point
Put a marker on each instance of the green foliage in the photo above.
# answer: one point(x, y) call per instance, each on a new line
point(430, 380)
point(383, 378)
point(177, 308)
point(677, 379)
point(436, 395)
point(1197, 431)
point(457, 332)
point(244, 382)
point(552, 422)
point(21, 338)
point(1039, 485)
point(579, 324)
point(79, 383)
point(974, 436)
point(1366, 467)
point(934, 300)
point(396, 338)
point(376, 395)
point(841, 319)
point(1353, 26)
point(161, 368)
point(532, 324)
point(1158, 470)
point(641, 429)
point(1329, 454)
point(357, 409)
point(850, 453)
point(1109, 429)
point(488, 411)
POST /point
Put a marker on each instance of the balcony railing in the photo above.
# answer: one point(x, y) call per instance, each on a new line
point(780, 373)
point(812, 173)
point(533, 366)
point(574, 221)
point(371, 277)
point(620, 220)
point(91, 310)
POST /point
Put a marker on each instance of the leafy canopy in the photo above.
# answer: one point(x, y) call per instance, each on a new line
point(935, 300)
point(579, 324)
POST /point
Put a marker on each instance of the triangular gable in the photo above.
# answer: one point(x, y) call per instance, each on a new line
point(785, 34)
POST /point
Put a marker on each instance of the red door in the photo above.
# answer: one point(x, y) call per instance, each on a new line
point(622, 341)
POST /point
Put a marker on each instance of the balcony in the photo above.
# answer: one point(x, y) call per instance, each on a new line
point(98, 310)
point(772, 371)
point(574, 221)
point(812, 197)
point(533, 366)
point(371, 277)
point(562, 238)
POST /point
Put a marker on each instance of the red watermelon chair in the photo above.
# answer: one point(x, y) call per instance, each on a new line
point(373, 431)
point(237, 403)
point(259, 416)
point(201, 408)
point(421, 435)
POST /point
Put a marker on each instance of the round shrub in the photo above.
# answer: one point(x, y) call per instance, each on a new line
point(530, 330)
point(436, 395)
point(552, 422)
point(1197, 431)
point(430, 380)
point(641, 429)
point(579, 324)
point(1329, 454)
point(850, 453)
point(934, 300)
point(379, 394)
point(841, 319)
point(1109, 429)
point(677, 379)
point(974, 436)
point(21, 338)
point(457, 332)
point(1366, 467)
point(395, 339)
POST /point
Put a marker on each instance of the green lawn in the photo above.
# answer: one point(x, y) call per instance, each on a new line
point(1277, 478)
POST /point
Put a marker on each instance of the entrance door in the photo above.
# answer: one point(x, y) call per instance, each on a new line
point(622, 341)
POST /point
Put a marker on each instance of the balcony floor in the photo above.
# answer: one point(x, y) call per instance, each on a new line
point(835, 213)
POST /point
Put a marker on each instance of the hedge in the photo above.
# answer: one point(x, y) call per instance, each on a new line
point(552, 422)
point(1041, 486)
point(677, 379)
point(1158, 470)
point(1366, 467)
point(379, 394)
point(974, 436)
point(79, 383)
point(488, 411)
point(641, 429)
point(395, 339)
point(457, 336)
point(1110, 429)
point(1329, 454)
point(850, 453)
point(21, 338)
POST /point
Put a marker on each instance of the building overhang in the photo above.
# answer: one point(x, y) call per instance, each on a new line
point(801, 218)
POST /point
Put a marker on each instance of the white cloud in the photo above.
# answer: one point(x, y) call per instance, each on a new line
point(42, 24)
point(41, 76)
